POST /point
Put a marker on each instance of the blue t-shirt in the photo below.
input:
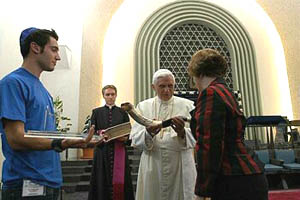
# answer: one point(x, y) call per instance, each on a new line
point(24, 98)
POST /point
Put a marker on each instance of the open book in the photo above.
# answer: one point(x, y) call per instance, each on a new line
point(118, 131)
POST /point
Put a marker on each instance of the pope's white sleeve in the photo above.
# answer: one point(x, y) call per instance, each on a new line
point(190, 140)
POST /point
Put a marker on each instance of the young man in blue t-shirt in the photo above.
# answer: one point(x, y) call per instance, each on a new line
point(32, 165)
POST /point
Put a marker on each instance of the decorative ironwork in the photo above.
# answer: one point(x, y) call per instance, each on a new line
point(181, 42)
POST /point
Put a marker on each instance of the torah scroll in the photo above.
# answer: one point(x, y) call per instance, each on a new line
point(111, 133)
point(58, 135)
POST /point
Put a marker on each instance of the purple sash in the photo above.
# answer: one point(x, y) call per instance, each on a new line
point(119, 171)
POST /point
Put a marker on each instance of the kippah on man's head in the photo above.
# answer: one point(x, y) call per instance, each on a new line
point(39, 36)
point(161, 73)
point(25, 33)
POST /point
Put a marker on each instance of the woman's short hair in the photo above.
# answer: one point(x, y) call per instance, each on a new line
point(109, 86)
point(207, 62)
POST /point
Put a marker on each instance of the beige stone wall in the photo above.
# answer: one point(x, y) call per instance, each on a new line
point(95, 26)
point(286, 14)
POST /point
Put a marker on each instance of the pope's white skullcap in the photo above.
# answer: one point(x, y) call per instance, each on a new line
point(162, 73)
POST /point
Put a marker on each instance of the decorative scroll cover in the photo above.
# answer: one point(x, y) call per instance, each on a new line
point(58, 135)
point(112, 133)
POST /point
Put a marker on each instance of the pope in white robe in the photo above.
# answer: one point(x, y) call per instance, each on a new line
point(167, 166)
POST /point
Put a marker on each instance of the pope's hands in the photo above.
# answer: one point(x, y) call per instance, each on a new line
point(178, 126)
point(153, 129)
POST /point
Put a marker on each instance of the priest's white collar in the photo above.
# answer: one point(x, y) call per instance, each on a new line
point(110, 106)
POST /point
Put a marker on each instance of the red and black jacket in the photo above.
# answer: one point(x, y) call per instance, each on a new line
point(220, 131)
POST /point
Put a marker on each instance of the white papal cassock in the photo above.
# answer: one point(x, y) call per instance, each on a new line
point(167, 167)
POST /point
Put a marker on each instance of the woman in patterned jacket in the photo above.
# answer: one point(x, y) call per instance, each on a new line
point(225, 168)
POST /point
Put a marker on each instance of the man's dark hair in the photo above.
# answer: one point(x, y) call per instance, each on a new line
point(41, 37)
point(109, 86)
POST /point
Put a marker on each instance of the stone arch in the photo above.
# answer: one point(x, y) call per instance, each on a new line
point(178, 12)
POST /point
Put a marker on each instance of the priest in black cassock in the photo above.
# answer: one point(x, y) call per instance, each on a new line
point(111, 178)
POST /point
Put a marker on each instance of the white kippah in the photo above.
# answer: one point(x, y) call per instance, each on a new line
point(162, 73)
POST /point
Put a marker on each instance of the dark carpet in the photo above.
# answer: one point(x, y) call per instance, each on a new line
point(75, 196)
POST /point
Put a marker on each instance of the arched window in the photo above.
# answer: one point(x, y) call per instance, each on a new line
point(173, 33)
point(181, 42)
